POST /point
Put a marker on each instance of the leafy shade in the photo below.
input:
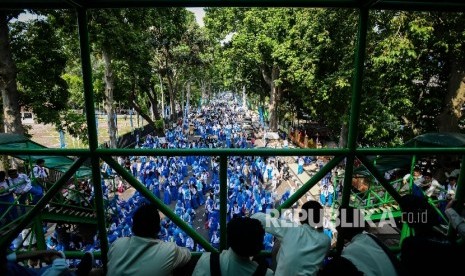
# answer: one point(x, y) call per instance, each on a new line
point(40, 63)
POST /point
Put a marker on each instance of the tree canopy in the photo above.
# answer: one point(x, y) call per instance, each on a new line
point(292, 60)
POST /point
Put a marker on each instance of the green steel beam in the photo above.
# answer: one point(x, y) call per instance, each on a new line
point(357, 80)
point(220, 152)
point(87, 78)
point(460, 191)
point(386, 185)
point(346, 189)
point(77, 208)
point(44, 152)
point(412, 168)
point(370, 3)
point(432, 5)
point(29, 216)
point(223, 200)
point(410, 151)
point(160, 205)
point(236, 152)
point(60, 4)
point(354, 111)
point(447, 5)
point(310, 183)
point(39, 233)
point(80, 254)
point(378, 216)
point(51, 217)
point(92, 131)
point(459, 196)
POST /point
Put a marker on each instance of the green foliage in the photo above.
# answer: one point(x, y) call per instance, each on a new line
point(75, 124)
point(41, 63)
point(159, 124)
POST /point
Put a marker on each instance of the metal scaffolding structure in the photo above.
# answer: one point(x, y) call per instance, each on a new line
point(96, 154)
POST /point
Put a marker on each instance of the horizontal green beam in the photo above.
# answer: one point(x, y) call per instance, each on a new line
point(80, 254)
point(450, 5)
point(45, 151)
point(378, 216)
point(234, 152)
point(60, 4)
point(51, 217)
point(72, 207)
point(409, 151)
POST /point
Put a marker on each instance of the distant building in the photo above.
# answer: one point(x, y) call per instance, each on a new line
point(27, 117)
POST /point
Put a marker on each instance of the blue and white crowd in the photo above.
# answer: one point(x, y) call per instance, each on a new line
point(190, 185)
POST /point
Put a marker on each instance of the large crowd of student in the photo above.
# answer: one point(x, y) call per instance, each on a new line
point(190, 185)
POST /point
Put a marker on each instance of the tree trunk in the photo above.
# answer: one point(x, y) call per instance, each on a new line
point(171, 94)
point(244, 98)
point(163, 111)
point(203, 88)
point(10, 97)
point(109, 100)
point(136, 106)
point(275, 95)
point(343, 135)
point(154, 102)
point(448, 120)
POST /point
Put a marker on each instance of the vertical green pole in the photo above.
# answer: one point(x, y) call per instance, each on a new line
point(412, 168)
point(355, 102)
point(459, 195)
point(406, 230)
point(354, 110)
point(39, 233)
point(460, 191)
point(92, 130)
point(223, 199)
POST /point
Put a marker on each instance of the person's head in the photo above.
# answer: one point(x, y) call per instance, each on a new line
point(245, 245)
point(40, 162)
point(13, 173)
point(2, 175)
point(427, 175)
point(452, 180)
point(312, 212)
point(418, 214)
point(351, 222)
point(339, 266)
point(146, 221)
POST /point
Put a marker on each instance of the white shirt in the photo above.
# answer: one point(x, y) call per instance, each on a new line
point(303, 248)
point(190, 243)
point(4, 188)
point(368, 257)
point(39, 172)
point(22, 183)
point(144, 256)
point(230, 264)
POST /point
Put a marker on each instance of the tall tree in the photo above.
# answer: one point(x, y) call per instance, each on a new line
point(8, 84)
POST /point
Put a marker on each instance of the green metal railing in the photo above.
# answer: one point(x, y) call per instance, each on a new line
point(348, 154)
